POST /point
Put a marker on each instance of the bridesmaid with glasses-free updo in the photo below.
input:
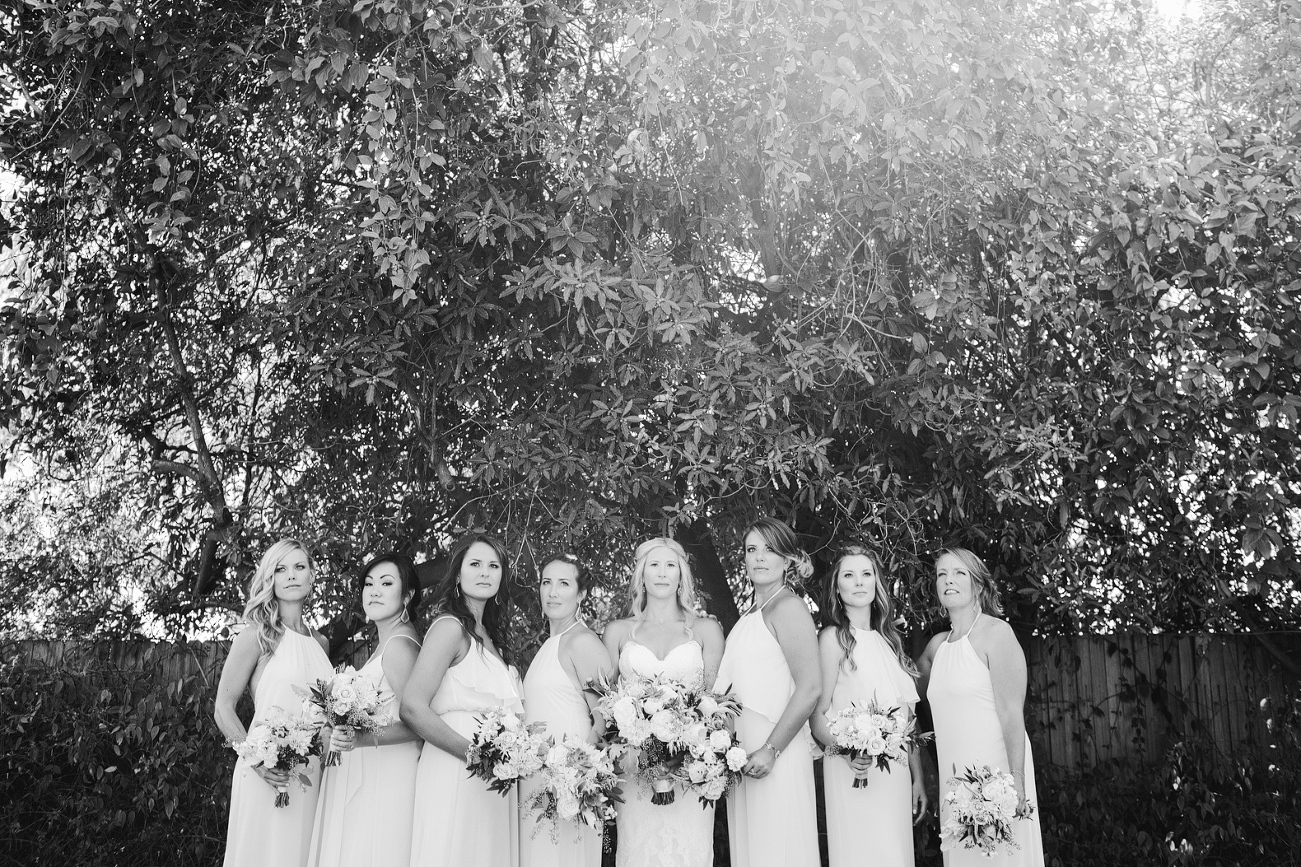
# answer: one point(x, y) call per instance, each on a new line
point(771, 663)
point(363, 816)
point(974, 677)
point(463, 670)
point(275, 652)
point(863, 662)
point(555, 694)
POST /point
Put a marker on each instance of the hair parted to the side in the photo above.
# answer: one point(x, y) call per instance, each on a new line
point(688, 599)
point(782, 540)
point(982, 581)
point(262, 611)
point(582, 576)
point(407, 578)
point(496, 613)
point(882, 610)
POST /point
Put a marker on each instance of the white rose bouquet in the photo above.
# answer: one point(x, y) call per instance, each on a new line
point(651, 715)
point(281, 743)
point(504, 751)
point(981, 806)
point(579, 783)
point(716, 756)
point(348, 699)
point(868, 732)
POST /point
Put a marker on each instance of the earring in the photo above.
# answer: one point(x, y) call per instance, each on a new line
point(405, 618)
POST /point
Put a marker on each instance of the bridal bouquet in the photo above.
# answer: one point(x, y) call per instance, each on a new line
point(348, 699)
point(652, 715)
point(716, 755)
point(503, 750)
point(868, 732)
point(981, 807)
point(579, 783)
point(281, 743)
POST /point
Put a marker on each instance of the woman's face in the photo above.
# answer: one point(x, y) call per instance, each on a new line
point(558, 591)
point(953, 583)
point(293, 577)
point(381, 593)
point(662, 573)
point(480, 572)
point(856, 581)
point(763, 566)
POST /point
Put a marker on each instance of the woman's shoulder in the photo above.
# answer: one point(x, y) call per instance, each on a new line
point(705, 626)
point(790, 605)
point(618, 629)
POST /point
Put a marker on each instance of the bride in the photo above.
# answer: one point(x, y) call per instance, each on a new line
point(663, 635)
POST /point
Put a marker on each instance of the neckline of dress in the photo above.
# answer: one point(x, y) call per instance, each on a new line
point(756, 610)
point(963, 636)
point(634, 642)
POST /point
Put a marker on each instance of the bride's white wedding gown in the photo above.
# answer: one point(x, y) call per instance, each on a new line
point(680, 834)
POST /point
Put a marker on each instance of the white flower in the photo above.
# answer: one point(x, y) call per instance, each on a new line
point(624, 712)
point(696, 772)
point(719, 740)
point(504, 771)
point(556, 756)
point(664, 725)
point(708, 706)
point(345, 692)
point(510, 722)
point(736, 758)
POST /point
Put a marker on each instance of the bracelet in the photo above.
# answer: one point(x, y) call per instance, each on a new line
point(776, 753)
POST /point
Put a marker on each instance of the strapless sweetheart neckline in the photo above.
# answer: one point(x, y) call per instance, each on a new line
point(634, 643)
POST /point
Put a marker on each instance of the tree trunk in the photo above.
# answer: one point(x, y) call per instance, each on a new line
point(711, 578)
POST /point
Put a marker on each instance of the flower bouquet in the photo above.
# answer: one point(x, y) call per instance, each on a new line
point(503, 750)
point(868, 732)
point(982, 803)
point(281, 743)
point(347, 699)
point(579, 783)
point(649, 714)
point(716, 755)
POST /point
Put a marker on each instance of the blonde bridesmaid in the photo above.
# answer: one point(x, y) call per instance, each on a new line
point(974, 677)
point(363, 816)
point(863, 662)
point(275, 652)
point(462, 671)
point(771, 663)
point(554, 695)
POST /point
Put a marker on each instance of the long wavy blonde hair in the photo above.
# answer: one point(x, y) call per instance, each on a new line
point(688, 600)
point(262, 611)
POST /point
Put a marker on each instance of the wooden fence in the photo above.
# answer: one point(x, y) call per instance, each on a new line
point(1091, 698)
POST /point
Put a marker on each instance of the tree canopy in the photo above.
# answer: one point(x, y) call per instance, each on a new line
point(1021, 277)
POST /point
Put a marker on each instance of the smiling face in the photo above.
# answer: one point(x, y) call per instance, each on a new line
point(558, 591)
point(662, 573)
point(953, 583)
point(480, 572)
point(763, 566)
point(856, 581)
point(293, 577)
point(381, 594)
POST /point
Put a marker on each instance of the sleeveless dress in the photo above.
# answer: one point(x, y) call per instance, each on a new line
point(363, 816)
point(552, 697)
point(967, 734)
point(259, 832)
point(680, 834)
point(459, 821)
point(771, 822)
point(872, 826)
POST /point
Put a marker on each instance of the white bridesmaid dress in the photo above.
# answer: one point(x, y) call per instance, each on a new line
point(967, 734)
point(260, 834)
point(363, 816)
point(870, 826)
point(458, 821)
point(552, 697)
point(771, 822)
point(680, 834)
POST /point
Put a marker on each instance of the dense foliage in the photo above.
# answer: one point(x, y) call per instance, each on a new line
point(922, 272)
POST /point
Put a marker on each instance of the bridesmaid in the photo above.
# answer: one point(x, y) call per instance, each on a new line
point(463, 670)
point(273, 654)
point(363, 817)
point(863, 661)
point(663, 636)
point(974, 676)
point(771, 663)
point(554, 694)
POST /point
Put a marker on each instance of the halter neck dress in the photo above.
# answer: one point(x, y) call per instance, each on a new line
point(771, 822)
point(261, 834)
point(968, 734)
point(552, 697)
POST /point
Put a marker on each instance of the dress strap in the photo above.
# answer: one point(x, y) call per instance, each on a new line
point(399, 635)
point(766, 601)
point(566, 629)
point(973, 624)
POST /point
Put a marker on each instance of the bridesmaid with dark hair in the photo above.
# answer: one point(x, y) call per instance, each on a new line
point(771, 663)
point(363, 816)
point(463, 670)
